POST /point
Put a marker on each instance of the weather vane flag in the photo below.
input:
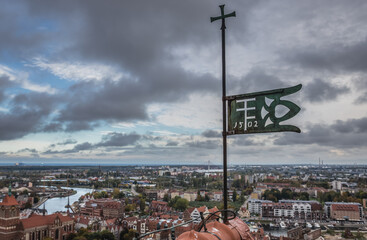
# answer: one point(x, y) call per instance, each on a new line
point(251, 112)
point(256, 112)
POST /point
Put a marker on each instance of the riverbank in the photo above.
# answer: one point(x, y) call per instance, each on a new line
point(58, 204)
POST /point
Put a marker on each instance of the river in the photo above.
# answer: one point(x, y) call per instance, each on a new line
point(59, 203)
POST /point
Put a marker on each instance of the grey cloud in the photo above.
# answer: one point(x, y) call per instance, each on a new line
point(334, 57)
point(341, 134)
point(27, 150)
point(111, 140)
point(26, 115)
point(77, 148)
point(172, 144)
point(361, 99)
point(11, 39)
point(256, 80)
point(208, 144)
point(211, 134)
point(68, 141)
point(4, 83)
point(126, 100)
point(118, 140)
point(244, 141)
point(53, 127)
point(114, 34)
point(351, 126)
point(75, 126)
point(319, 90)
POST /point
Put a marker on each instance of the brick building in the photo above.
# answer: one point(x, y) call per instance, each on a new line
point(345, 212)
point(105, 207)
point(56, 226)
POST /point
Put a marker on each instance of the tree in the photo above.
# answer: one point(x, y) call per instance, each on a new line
point(28, 205)
point(116, 193)
point(181, 204)
point(286, 193)
point(166, 197)
point(234, 197)
point(173, 201)
point(107, 235)
point(142, 205)
point(129, 235)
point(242, 197)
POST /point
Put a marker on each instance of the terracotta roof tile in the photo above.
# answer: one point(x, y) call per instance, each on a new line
point(9, 201)
point(40, 220)
point(344, 207)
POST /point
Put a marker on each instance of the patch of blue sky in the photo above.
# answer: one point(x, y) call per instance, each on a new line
point(44, 77)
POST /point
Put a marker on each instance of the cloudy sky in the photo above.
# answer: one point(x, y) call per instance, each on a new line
point(139, 82)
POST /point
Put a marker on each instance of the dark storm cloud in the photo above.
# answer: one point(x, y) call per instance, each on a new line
point(211, 134)
point(208, 144)
point(127, 100)
point(53, 127)
point(139, 39)
point(118, 140)
point(12, 39)
point(26, 114)
point(334, 57)
point(350, 133)
point(319, 90)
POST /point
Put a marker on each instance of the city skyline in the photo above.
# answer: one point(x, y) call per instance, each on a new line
point(140, 83)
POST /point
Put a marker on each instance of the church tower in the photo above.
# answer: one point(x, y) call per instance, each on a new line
point(9, 218)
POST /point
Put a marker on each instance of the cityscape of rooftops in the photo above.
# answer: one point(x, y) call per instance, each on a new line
point(114, 123)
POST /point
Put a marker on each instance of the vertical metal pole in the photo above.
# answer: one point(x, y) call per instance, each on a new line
point(225, 191)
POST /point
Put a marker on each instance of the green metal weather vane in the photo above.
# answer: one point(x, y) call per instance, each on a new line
point(256, 112)
point(251, 112)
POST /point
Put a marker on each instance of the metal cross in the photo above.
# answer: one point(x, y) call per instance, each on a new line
point(222, 16)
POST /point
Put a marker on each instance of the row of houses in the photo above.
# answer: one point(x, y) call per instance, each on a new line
point(307, 210)
point(154, 195)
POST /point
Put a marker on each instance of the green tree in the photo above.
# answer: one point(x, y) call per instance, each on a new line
point(28, 205)
point(107, 235)
point(234, 197)
point(181, 204)
point(129, 235)
point(142, 205)
point(166, 197)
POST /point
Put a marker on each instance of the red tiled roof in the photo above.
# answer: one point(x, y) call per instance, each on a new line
point(160, 202)
point(214, 209)
point(344, 207)
point(202, 209)
point(40, 220)
point(9, 201)
point(190, 209)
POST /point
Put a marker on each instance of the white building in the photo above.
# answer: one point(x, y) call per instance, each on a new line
point(337, 185)
point(254, 205)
